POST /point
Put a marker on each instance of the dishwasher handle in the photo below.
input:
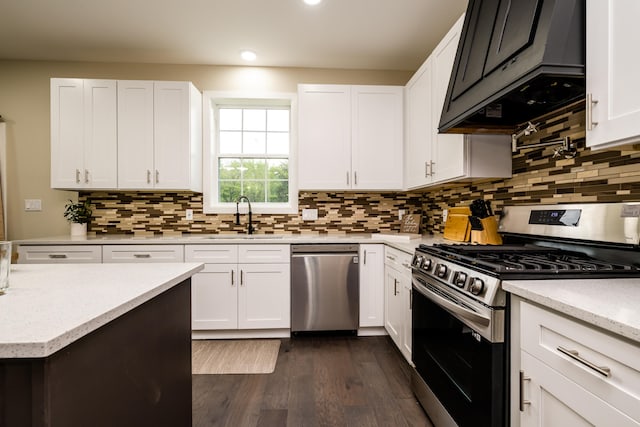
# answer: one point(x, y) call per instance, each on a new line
point(324, 248)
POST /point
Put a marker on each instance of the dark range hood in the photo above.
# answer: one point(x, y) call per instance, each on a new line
point(517, 60)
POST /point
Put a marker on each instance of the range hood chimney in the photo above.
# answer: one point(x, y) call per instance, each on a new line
point(517, 60)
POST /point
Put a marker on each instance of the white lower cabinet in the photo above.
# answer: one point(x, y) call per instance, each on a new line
point(142, 253)
point(397, 299)
point(571, 374)
point(371, 285)
point(59, 254)
point(241, 287)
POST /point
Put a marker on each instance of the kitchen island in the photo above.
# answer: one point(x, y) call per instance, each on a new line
point(96, 344)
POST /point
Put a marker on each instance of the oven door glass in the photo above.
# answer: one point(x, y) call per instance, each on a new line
point(464, 370)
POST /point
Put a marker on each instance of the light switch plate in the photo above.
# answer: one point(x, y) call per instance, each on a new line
point(32, 204)
point(189, 214)
point(445, 214)
point(309, 214)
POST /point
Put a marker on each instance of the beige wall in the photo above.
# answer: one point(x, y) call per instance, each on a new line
point(24, 105)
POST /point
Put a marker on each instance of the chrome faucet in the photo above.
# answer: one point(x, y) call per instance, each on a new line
point(250, 228)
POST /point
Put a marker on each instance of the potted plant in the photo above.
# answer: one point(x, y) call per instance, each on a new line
point(78, 214)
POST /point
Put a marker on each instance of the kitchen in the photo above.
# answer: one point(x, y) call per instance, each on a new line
point(602, 175)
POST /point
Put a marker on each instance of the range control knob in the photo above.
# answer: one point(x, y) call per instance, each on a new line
point(417, 261)
point(441, 270)
point(477, 286)
point(459, 279)
point(426, 265)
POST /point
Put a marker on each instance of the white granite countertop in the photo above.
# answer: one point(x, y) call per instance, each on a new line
point(612, 304)
point(396, 241)
point(49, 306)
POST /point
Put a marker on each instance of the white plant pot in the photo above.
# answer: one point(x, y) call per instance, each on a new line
point(78, 230)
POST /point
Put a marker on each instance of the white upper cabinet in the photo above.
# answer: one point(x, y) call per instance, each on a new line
point(83, 134)
point(324, 137)
point(613, 104)
point(135, 134)
point(376, 142)
point(433, 158)
point(350, 137)
point(159, 135)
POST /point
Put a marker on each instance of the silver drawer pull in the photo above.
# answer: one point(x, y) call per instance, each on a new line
point(405, 265)
point(142, 255)
point(602, 370)
point(57, 256)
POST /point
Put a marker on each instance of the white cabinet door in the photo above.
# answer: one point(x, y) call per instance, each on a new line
point(393, 313)
point(83, 134)
point(324, 137)
point(405, 348)
point(264, 296)
point(174, 141)
point(371, 285)
point(214, 296)
point(555, 401)
point(448, 149)
point(612, 72)
point(376, 150)
point(418, 127)
point(101, 137)
point(135, 134)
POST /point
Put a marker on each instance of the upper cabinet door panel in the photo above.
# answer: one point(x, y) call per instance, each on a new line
point(475, 45)
point(135, 134)
point(101, 139)
point(612, 72)
point(67, 133)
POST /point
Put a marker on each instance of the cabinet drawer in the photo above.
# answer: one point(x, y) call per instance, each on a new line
point(253, 254)
point(606, 365)
point(143, 253)
point(59, 254)
point(214, 254)
point(397, 259)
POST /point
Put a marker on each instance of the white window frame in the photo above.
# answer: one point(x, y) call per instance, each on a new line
point(211, 100)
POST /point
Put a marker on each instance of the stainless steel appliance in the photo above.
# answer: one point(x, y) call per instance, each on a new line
point(460, 325)
point(324, 287)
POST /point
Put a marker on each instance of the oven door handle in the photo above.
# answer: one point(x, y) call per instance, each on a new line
point(451, 306)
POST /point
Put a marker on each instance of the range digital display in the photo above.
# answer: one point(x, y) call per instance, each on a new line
point(562, 217)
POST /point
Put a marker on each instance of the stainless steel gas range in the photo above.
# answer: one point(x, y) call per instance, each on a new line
point(460, 311)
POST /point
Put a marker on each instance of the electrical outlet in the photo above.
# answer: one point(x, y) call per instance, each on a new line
point(189, 215)
point(32, 204)
point(445, 214)
point(309, 214)
point(401, 213)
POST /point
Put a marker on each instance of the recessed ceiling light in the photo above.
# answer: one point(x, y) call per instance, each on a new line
point(248, 55)
point(312, 2)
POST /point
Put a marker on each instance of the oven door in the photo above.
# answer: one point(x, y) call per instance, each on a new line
point(461, 366)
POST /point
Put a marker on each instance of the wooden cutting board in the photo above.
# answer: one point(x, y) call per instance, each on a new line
point(457, 226)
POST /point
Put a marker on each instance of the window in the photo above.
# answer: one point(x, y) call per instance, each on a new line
point(248, 149)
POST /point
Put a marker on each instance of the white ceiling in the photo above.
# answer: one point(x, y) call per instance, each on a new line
point(353, 34)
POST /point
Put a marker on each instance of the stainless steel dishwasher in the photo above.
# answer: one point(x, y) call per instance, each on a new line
point(325, 290)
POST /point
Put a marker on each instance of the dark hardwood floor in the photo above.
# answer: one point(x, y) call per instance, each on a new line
point(318, 381)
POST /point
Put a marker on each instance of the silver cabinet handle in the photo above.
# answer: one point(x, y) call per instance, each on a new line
point(407, 266)
point(391, 257)
point(355, 178)
point(77, 176)
point(395, 287)
point(86, 176)
point(589, 111)
point(142, 255)
point(157, 176)
point(573, 354)
point(522, 401)
point(148, 176)
point(233, 280)
point(431, 164)
point(347, 177)
point(426, 169)
point(364, 261)
point(57, 256)
point(241, 278)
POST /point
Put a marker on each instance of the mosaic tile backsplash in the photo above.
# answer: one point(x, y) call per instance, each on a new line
point(164, 213)
point(538, 178)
